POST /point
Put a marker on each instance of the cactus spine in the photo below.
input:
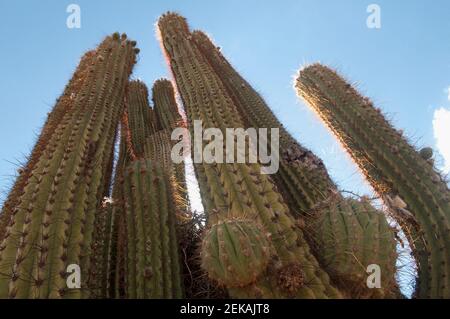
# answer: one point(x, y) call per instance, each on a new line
point(406, 181)
point(52, 221)
point(239, 190)
point(302, 178)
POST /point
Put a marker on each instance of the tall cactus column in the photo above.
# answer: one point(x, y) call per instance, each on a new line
point(142, 117)
point(152, 258)
point(165, 104)
point(239, 191)
point(169, 118)
point(117, 280)
point(53, 219)
point(302, 178)
point(407, 182)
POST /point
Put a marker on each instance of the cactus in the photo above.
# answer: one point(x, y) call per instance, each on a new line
point(140, 117)
point(103, 252)
point(235, 252)
point(169, 118)
point(302, 178)
point(63, 105)
point(117, 279)
point(53, 219)
point(407, 182)
point(166, 109)
point(152, 260)
point(351, 235)
point(158, 147)
point(153, 269)
point(239, 190)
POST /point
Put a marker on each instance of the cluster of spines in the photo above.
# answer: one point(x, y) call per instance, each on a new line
point(238, 190)
point(52, 222)
point(416, 194)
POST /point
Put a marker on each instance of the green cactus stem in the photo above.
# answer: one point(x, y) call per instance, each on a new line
point(165, 104)
point(117, 280)
point(153, 263)
point(152, 259)
point(302, 179)
point(102, 257)
point(350, 236)
point(52, 222)
point(239, 190)
point(141, 119)
point(417, 195)
point(158, 147)
point(169, 118)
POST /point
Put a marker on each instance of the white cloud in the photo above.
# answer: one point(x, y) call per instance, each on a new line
point(441, 128)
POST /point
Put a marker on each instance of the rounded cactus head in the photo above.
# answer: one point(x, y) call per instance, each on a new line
point(235, 252)
point(426, 153)
point(351, 235)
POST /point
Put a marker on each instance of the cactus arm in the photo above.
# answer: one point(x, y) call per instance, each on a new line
point(140, 116)
point(392, 166)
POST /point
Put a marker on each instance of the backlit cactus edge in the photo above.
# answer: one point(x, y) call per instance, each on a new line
point(287, 235)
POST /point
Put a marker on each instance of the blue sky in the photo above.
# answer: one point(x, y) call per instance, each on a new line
point(404, 66)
